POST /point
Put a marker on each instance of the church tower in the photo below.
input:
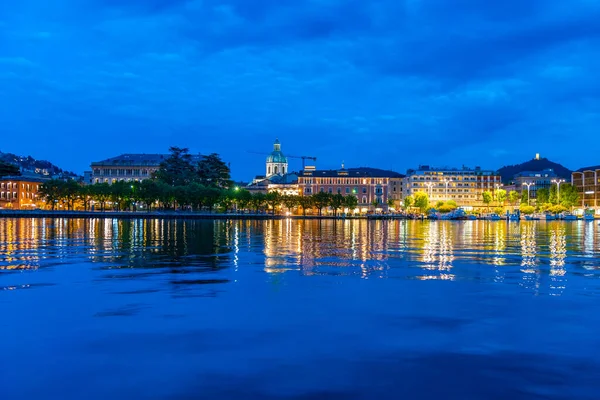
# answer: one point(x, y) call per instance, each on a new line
point(277, 163)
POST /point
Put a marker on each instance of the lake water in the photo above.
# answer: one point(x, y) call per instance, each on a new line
point(290, 309)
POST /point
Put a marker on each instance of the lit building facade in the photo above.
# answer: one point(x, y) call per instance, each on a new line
point(538, 180)
point(369, 185)
point(126, 167)
point(587, 182)
point(465, 186)
point(20, 193)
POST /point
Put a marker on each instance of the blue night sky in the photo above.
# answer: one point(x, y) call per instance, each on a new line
point(385, 83)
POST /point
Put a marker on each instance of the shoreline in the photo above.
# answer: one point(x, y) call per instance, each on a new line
point(168, 215)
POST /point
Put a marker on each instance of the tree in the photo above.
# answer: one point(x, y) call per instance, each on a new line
point(7, 169)
point(51, 192)
point(100, 192)
point(210, 197)
point(69, 192)
point(258, 201)
point(421, 201)
point(147, 192)
point(569, 197)
point(408, 202)
point(351, 202)
point(85, 196)
point(524, 197)
point(321, 200)
point(337, 202)
point(513, 197)
point(486, 198)
point(214, 172)
point(391, 203)
point(501, 196)
point(527, 210)
point(243, 198)
point(290, 201)
point(273, 199)
point(543, 196)
point(305, 202)
point(177, 169)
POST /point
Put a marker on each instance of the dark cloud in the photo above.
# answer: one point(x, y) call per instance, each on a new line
point(327, 77)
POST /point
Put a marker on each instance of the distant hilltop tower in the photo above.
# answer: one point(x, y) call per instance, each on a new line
point(277, 163)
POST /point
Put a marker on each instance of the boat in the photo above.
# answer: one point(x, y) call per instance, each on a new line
point(551, 217)
point(492, 217)
point(570, 217)
point(531, 218)
point(514, 217)
point(589, 215)
point(472, 217)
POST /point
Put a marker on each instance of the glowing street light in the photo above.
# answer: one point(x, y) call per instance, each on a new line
point(447, 181)
point(528, 184)
point(558, 182)
point(430, 185)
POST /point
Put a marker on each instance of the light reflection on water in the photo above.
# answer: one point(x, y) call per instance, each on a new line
point(299, 309)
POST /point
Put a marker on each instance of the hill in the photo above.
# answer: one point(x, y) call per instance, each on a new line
point(30, 166)
point(536, 165)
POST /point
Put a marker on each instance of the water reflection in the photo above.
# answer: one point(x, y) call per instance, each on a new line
point(380, 249)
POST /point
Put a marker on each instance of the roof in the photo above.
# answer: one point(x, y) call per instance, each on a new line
point(592, 168)
point(547, 172)
point(22, 179)
point(137, 159)
point(362, 172)
point(286, 179)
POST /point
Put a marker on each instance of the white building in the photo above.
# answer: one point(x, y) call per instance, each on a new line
point(277, 163)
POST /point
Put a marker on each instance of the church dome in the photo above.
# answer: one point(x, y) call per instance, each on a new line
point(276, 155)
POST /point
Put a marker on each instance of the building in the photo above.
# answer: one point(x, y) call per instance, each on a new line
point(465, 185)
point(126, 167)
point(369, 185)
point(277, 163)
point(284, 184)
point(587, 182)
point(536, 180)
point(20, 193)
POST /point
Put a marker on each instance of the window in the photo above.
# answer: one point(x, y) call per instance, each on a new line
point(330, 190)
point(339, 191)
point(364, 190)
point(347, 190)
point(308, 190)
point(364, 200)
point(322, 190)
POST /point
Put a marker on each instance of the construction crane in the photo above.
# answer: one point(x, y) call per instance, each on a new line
point(304, 158)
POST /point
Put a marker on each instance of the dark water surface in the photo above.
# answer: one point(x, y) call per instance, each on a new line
point(108, 309)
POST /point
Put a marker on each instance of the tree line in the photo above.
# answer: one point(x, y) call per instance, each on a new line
point(182, 184)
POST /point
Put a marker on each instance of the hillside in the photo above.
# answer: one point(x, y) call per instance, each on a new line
point(508, 172)
point(30, 166)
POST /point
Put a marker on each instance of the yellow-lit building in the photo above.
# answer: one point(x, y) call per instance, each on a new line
point(20, 193)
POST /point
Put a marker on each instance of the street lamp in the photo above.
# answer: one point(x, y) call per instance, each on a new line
point(447, 181)
point(558, 182)
point(430, 185)
point(528, 184)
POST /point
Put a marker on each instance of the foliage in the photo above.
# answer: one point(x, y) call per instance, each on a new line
point(409, 201)
point(486, 198)
point(524, 196)
point(177, 169)
point(557, 209)
point(421, 201)
point(543, 196)
point(273, 199)
point(499, 210)
point(321, 200)
point(214, 172)
point(390, 203)
point(513, 197)
point(305, 202)
point(569, 197)
point(336, 202)
point(351, 202)
point(445, 207)
point(527, 210)
point(501, 196)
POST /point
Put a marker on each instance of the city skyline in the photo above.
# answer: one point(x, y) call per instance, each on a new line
point(386, 84)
